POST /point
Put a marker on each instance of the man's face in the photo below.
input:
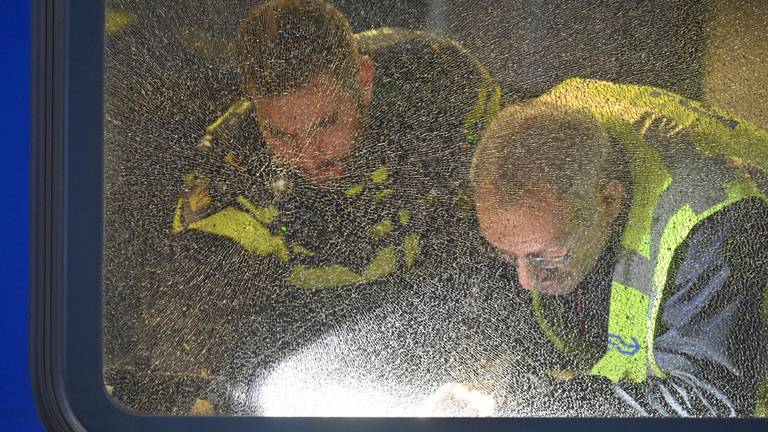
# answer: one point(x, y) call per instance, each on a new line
point(551, 253)
point(312, 129)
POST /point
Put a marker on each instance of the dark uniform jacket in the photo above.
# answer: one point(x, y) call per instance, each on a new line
point(409, 170)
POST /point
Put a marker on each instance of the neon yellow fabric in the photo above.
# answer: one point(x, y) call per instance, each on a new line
point(627, 319)
point(715, 132)
point(474, 117)
point(650, 179)
point(404, 216)
point(630, 317)
point(380, 175)
point(382, 195)
point(243, 228)
point(235, 110)
point(382, 228)
point(613, 107)
point(177, 225)
point(765, 305)
point(264, 215)
point(354, 190)
point(486, 107)
point(298, 250)
point(761, 409)
point(248, 228)
point(411, 249)
point(384, 264)
point(322, 277)
point(307, 277)
point(494, 105)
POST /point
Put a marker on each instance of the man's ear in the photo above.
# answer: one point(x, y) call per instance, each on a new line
point(612, 196)
point(367, 72)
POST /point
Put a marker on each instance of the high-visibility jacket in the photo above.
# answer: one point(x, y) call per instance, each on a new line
point(673, 190)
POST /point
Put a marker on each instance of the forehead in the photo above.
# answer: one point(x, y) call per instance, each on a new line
point(528, 226)
point(321, 96)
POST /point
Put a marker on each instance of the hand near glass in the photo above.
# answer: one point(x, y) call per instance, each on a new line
point(459, 400)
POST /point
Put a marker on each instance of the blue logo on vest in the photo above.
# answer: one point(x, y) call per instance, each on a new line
point(619, 344)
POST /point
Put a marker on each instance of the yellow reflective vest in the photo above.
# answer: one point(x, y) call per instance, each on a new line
point(673, 189)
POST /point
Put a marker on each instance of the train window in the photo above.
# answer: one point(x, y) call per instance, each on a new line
point(432, 208)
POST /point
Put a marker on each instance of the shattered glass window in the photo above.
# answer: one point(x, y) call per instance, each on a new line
point(436, 208)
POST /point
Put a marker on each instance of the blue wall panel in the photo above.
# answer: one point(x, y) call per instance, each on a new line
point(17, 411)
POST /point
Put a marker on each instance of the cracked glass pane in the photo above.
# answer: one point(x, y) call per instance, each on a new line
point(436, 208)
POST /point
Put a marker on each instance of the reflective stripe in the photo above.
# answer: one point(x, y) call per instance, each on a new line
point(354, 190)
point(761, 409)
point(634, 270)
point(488, 103)
point(494, 105)
point(404, 216)
point(627, 326)
point(243, 228)
point(177, 226)
point(382, 228)
point(473, 119)
point(384, 264)
point(380, 175)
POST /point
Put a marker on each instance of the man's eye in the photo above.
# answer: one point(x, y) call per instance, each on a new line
point(279, 135)
point(328, 121)
point(287, 142)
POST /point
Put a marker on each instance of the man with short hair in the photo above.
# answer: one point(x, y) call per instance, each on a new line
point(637, 220)
point(336, 185)
point(310, 86)
point(341, 146)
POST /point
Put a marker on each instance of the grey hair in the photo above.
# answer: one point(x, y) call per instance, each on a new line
point(536, 145)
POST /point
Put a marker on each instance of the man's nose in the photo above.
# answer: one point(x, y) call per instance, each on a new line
point(313, 148)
